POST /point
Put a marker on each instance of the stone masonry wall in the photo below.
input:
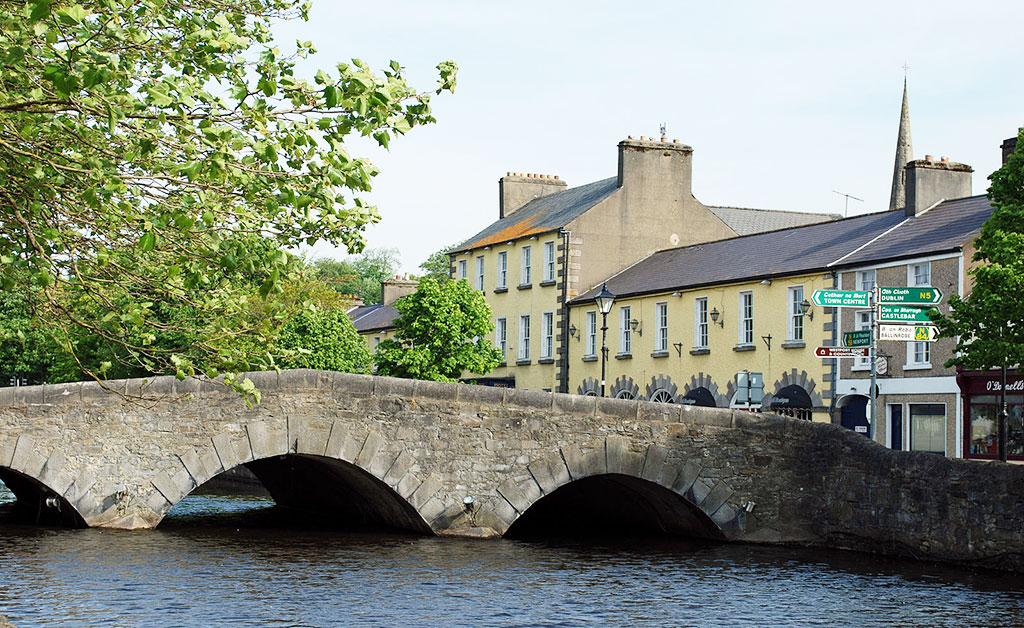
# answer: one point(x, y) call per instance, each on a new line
point(125, 461)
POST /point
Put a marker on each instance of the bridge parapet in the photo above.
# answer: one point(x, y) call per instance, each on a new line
point(408, 453)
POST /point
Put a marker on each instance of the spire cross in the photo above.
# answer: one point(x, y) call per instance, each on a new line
point(905, 68)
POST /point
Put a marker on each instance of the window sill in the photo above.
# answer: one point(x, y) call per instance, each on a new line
point(623, 356)
point(794, 344)
point(525, 362)
point(660, 354)
point(547, 282)
point(862, 367)
point(546, 361)
point(916, 367)
point(744, 348)
point(701, 351)
point(524, 286)
point(590, 358)
point(500, 290)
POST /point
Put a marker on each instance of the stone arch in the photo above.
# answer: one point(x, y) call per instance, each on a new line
point(704, 380)
point(624, 388)
point(793, 378)
point(713, 509)
point(352, 456)
point(662, 389)
point(590, 387)
point(44, 483)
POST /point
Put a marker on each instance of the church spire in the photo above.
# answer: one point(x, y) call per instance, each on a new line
point(904, 153)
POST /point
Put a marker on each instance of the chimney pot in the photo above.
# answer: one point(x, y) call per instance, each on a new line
point(643, 138)
point(929, 158)
point(630, 137)
point(945, 159)
point(556, 177)
point(675, 141)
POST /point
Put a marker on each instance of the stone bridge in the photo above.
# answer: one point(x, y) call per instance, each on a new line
point(410, 454)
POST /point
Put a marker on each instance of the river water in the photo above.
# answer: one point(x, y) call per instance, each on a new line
point(237, 561)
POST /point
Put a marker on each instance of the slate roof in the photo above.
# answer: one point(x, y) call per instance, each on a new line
point(373, 317)
point(847, 242)
point(745, 220)
point(946, 227)
point(543, 214)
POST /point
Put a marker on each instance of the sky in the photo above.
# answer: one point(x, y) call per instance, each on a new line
point(784, 103)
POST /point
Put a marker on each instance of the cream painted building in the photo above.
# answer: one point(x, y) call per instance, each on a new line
point(551, 242)
point(376, 322)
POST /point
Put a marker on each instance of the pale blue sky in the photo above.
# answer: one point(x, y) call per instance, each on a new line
point(782, 102)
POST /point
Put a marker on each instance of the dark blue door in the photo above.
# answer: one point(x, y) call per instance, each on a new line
point(896, 426)
point(853, 414)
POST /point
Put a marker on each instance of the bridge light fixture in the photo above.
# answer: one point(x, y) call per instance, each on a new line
point(468, 503)
point(604, 300)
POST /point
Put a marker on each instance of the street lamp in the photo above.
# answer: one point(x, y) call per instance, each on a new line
point(604, 300)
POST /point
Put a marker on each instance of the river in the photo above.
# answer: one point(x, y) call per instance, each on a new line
point(238, 561)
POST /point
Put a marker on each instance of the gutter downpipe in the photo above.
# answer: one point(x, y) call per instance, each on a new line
point(563, 369)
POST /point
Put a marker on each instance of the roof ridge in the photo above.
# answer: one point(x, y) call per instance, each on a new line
point(776, 211)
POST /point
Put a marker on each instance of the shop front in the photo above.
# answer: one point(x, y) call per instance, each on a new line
point(980, 391)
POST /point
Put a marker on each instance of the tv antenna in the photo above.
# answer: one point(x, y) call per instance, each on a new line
point(663, 135)
point(846, 207)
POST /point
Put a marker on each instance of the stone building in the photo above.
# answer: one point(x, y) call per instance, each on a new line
point(552, 242)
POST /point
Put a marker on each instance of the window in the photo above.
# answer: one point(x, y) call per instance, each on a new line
point(661, 326)
point(625, 333)
point(700, 323)
point(462, 269)
point(502, 269)
point(376, 343)
point(865, 279)
point(795, 329)
point(524, 268)
point(919, 354)
point(480, 273)
point(591, 348)
point(547, 335)
point(549, 261)
point(524, 336)
point(928, 427)
point(501, 336)
point(746, 317)
point(919, 274)
point(862, 321)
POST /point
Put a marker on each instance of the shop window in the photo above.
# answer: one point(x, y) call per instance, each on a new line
point(983, 439)
point(928, 427)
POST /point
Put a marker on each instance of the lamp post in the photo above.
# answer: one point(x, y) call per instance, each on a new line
point(604, 300)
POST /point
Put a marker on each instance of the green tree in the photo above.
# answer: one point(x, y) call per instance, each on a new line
point(438, 266)
point(989, 322)
point(27, 351)
point(142, 144)
point(440, 334)
point(359, 275)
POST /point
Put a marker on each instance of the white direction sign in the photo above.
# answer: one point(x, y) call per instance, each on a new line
point(908, 333)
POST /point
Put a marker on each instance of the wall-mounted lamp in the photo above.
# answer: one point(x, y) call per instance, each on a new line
point(677, 294)
point(634, 324)
point(572, 330)
point(766, 282)
point(715, 316)
point(679, 348)
point(805, 309)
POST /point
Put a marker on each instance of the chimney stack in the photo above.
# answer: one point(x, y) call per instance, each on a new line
point(930, 181)
point(392, 290)
point(516, 189)
point(1009, 145)
point(650, 162)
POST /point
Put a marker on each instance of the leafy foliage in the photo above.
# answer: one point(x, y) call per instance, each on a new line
point(323, 338)
point(146, 145)
point(438, 266)
point(359, 275)
point(990, 321)
point(440, 334)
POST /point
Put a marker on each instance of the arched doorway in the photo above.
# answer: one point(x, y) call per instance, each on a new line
point(853, 413)
point(792, 401)
point(699, 396)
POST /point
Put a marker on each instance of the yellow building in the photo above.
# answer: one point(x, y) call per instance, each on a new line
point(726, 324)
point(551, 242)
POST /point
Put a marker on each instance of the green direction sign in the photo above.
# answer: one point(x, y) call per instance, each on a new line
point(860, 338)
point(920, 295)
point(903, 314)
point(840, 298)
